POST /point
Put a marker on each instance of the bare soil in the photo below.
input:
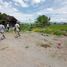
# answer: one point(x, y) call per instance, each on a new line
point(33, 50)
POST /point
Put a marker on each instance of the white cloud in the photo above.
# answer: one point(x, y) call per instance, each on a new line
point(14, 12)
point(36, 1)
point(23, 17)
point(8, 9)
point(56, 14)
point(21, 3)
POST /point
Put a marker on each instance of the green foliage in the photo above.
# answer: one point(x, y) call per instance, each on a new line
point(4, 19)
point(58, 27)
point(3, 16)
point(53, 29)
point(37, 30)
point(57, 33)
point(42, 21)
point(25, 27)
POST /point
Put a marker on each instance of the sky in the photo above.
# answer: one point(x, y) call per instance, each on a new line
point(29, 10)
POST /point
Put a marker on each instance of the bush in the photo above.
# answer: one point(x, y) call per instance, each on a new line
point(37, 30)
point(57, 33)
point(25, 27)
point(49, 31)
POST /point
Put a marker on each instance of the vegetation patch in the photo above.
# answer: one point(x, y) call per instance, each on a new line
point(26, 46)
point(53, 29)
point(44, 45)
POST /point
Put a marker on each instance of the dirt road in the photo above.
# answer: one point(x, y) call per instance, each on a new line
point(28, 51)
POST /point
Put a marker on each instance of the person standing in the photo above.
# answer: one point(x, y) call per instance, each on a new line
point(17, 29)
point(2, 30)
point(8, 27)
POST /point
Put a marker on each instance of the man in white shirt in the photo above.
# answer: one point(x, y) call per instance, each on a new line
point(7, 27)
point(17, 29)
point(2, 29)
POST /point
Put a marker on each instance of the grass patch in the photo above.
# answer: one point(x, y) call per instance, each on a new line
point(45, 45)
point(26, 46)
point(53, 29)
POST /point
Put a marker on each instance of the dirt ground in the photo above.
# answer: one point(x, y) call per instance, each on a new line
point(33, 50)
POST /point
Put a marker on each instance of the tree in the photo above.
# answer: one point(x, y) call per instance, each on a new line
point(12, 20)
point(4, 19)
point(42, 21)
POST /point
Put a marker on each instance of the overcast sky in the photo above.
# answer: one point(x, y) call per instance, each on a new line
point(28, 10)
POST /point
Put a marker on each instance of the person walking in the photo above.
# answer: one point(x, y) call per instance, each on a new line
point(17, 30)
point(2, 30)
point(7, 26)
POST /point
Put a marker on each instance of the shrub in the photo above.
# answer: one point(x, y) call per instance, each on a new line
point(47, 31)
point(57, 33)
point(37, 30)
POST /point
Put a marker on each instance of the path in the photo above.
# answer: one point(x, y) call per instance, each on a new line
point(27, 52)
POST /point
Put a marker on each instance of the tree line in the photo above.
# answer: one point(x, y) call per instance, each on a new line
point(4, 19)
point(41, 21)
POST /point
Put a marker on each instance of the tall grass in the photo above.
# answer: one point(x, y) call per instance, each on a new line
point(53, 29)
